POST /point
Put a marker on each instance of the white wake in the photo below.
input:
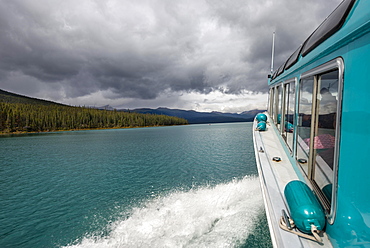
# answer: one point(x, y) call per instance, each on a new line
point(220, 216)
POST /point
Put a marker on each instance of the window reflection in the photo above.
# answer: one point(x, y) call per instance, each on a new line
point(271, 102)
point(304, 121)
point(289, 114)
point(275, 104)
point(324, 141)
point(286, 106)
point(279, 106)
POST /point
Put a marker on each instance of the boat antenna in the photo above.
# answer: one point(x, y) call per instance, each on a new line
point(272, 52)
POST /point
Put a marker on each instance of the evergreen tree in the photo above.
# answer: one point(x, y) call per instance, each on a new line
point(26, 117)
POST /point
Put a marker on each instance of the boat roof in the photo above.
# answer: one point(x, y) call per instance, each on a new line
point(327, 28)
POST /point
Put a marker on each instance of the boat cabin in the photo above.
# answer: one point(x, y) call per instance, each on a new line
point(318, 115)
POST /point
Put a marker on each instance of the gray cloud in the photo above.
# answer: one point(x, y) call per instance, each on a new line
point(141, 49)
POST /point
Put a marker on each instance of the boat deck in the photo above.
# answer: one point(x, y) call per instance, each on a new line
point(273, 178)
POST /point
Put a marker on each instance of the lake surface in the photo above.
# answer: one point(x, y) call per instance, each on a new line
point(179, 186)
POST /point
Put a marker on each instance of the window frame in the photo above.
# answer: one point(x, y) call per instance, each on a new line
point(271, 101)
point(279, 104)
point(276, 103)
point(336, 64)
point(292, 81)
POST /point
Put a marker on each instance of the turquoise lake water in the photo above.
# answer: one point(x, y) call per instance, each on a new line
point(180, 186)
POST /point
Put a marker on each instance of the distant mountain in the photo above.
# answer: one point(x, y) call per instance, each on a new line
point(9, 97)
point(21, 114)
point(192, 116)
point(195, 117)
point(253, 112)
point(105, 107)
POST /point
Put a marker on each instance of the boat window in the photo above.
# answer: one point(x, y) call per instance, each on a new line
point(279, 106)
point(318, 130)
point(280, 70)
point(274, 75)
point(270, 101)
point(325, 131)
point(293, 58)
point(285, 106)
point(289, 114)
point(304, 122)
point(272, 104)
point(275, 104)
point(331, 25)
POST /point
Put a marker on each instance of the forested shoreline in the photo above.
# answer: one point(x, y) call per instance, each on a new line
point(28, 117)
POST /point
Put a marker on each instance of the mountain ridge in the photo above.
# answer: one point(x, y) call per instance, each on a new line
point(192, 116)
point(195, 117)
point(10, 97)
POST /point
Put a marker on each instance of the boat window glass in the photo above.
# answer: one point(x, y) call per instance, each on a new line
point(304, 122)
point(289, 114)
point(331, 25)
point(274, 75)
point(275, 104)
point(325, 133)
point(280, 70)
point(286, 105)
point(293, 58)
point(279, 106)
point(270, 102)
point(320, 94)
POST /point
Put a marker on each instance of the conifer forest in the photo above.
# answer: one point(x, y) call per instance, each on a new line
point(30, 115)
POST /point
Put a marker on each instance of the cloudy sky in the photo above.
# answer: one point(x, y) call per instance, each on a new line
point(205, 55)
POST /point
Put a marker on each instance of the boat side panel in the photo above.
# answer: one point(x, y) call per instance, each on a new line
point(352, 224)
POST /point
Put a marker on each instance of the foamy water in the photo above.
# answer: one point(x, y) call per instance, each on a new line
point(220, 216)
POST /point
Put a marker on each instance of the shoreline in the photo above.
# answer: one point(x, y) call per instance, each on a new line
point(71, 130)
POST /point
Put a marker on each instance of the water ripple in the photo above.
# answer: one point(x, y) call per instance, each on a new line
point(62, 188)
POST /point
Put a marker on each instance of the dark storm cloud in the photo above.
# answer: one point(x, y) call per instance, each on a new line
point(140, 49)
